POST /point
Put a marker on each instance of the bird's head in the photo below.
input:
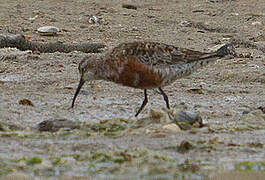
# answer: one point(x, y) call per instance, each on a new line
point(87, 72)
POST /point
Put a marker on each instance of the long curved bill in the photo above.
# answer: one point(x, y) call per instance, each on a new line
point(81, 83)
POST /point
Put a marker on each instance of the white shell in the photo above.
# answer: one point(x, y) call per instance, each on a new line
point(216, 47)
point(48, 30)
point(94, 20)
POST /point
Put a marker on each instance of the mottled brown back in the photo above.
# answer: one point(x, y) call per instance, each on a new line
point(155, 54)
point(150, 64)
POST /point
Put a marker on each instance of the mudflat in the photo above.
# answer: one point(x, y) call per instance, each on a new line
point(109, 142)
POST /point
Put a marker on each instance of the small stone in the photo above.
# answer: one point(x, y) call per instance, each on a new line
point(256, 23)
point(195, 91)
point(48, 30)
point(26, 102)
point(189, 117)
point(94, 20)
point(54, 125)
point(129, 6)
point(172, 127)
point(185, 23)
point(235, 14)
point(134, 28)
point(202, 31)
point(33, 18)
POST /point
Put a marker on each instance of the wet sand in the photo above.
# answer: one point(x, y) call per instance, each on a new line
point(108, 146)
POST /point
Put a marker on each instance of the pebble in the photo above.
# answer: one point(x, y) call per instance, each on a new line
point(202, 31)
point(26, 102)
point(172, 127)
point(129, 6)
point(33, 18)
point(94, 20)
point(256, 23)
point(189, 117)
point(54, 125)
point(48, 30)
point(134, 28)
point(185, 120)
point(235, 14)
point(185, 23)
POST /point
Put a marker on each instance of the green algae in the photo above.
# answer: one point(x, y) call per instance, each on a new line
point(250, 166)
point(34, 160)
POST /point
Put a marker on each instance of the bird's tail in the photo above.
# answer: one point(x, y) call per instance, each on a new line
point(227, 49)
point(198, 60)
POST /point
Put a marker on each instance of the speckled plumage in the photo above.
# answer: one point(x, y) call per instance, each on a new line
point(146, 65)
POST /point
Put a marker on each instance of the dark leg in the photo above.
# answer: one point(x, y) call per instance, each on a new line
point(143, 104)
point(164, 96)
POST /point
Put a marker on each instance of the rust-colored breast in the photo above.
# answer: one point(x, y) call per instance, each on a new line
point(130, 72)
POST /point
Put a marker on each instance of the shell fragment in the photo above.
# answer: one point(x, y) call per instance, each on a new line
point(48, 30)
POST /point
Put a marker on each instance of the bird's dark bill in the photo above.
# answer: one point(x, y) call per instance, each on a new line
point(81, 83)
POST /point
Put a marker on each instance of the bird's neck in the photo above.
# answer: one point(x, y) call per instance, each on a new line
point(100, 68)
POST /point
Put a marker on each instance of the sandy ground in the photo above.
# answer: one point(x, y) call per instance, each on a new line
point(231, 90)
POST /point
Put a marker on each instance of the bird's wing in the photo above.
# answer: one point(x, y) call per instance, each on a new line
point(157, 54)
